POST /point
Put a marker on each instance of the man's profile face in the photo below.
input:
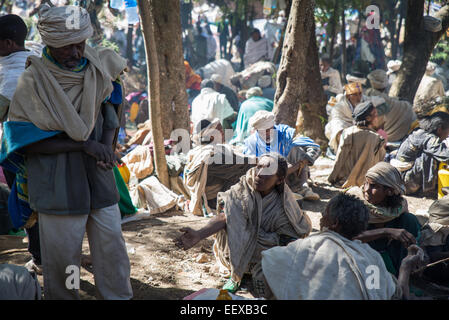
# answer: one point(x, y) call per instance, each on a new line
point(355, 98)
point(324, 66)
point(6, 46)
point(69, 56)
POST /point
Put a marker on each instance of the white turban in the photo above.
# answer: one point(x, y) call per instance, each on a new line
point(62, 26)
point(262, 120)
point(217, 78)
point(430, 68)
point(254, 91)
point(378, 79)
point(264, 81)
point(394, 65)
point(351, 78)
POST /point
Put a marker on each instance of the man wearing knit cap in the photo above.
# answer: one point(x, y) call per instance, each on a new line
point(398, 114)
point(62, 149)
point(359, 149)
point(301, 152)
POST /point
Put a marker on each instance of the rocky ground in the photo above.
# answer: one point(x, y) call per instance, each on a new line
point(160, 270)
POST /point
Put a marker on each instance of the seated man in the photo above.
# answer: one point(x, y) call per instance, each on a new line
point(419, 155)
point(254, 102)
point(257, 48)
point(430, 86)
point(230, 94)
point(340, 116)
point(330, 78)
point(360, 148)
point(256, 214)
point(330, 265)
point(210, 104)
point(301, 152)
point(16, 283)
point(391, 228)
point(400, 115)
point(212, 167)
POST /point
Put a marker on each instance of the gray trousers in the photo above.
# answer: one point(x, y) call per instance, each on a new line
point(296, 181)
point(61, 239)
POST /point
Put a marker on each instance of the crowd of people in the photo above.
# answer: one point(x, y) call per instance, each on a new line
point(63, 131)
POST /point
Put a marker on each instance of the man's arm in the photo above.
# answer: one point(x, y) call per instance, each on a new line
point(412, 261)
point(402, 235)
point(191, 237)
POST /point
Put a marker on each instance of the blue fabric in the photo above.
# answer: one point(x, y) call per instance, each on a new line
point(282, 143)
point(17, 135)
point(116, 96)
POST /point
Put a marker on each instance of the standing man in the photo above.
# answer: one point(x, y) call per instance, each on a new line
point(62, 144)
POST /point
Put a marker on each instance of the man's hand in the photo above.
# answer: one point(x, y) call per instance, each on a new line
point(189, 239)
point(414, 259)
point(101, 152)
point(406, 238)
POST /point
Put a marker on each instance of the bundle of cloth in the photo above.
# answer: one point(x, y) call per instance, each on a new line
point(249, 77)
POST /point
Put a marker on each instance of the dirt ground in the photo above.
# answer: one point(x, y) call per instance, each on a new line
point(160, 270)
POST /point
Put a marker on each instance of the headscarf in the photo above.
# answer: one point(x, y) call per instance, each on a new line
point(378, 79)
point(262, 120)
point(201, 136)
point(254, 91)
point(62, 26)
point(430, 68)
point(264, 81)
point(362, 110)
point(385, 174)
point(353, 88)
point(393, 66)
point(353, 79)
point(439, 211)
point(217, 78)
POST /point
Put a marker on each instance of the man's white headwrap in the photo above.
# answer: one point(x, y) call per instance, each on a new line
point(264, 81)
point(393, 66)
point(254, 91)
point(62, 26)
point(217, 78)
point(378, 79)
point(351, 78)
point(430, 68)
point(262, 120)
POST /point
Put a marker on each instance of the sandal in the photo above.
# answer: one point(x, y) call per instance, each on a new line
point(231, 286)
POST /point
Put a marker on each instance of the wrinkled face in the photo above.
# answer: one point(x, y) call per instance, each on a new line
point(354, 98)
point(69, 56)
point(324, 66)
point(374, 193)
point(266, 175)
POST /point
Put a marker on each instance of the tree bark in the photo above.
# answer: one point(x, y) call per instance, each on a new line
point(168, 36)
point(147, 21)
point(343, 44)
point(333, 30)
point(418, 47)
point(299, 79)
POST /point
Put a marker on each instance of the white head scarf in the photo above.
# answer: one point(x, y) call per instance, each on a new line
point(262, 120)
point(62, 26)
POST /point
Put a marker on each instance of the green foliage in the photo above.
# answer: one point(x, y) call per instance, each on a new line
point(110, 44)
point(440, 52)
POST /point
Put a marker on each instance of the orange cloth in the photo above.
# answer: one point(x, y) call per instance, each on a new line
point(353, 88)
point(193, 81)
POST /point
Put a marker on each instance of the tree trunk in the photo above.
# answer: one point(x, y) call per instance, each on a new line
point(299, 79)
point(278, 50)
point(418, 47)
point(147, 21)
point(168, 36)
point(333, 31)
point(395, 47)
point(129, 45)
point(343, 43)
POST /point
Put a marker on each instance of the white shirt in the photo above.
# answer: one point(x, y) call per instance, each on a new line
point(210, 104)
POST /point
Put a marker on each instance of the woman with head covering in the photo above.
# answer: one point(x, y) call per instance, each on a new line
point(359, 149)
point(256, 214)
point(391, 229)
point(430, 86)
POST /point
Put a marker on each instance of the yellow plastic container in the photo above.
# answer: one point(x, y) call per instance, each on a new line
point(443, 178)
point(224, 295)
